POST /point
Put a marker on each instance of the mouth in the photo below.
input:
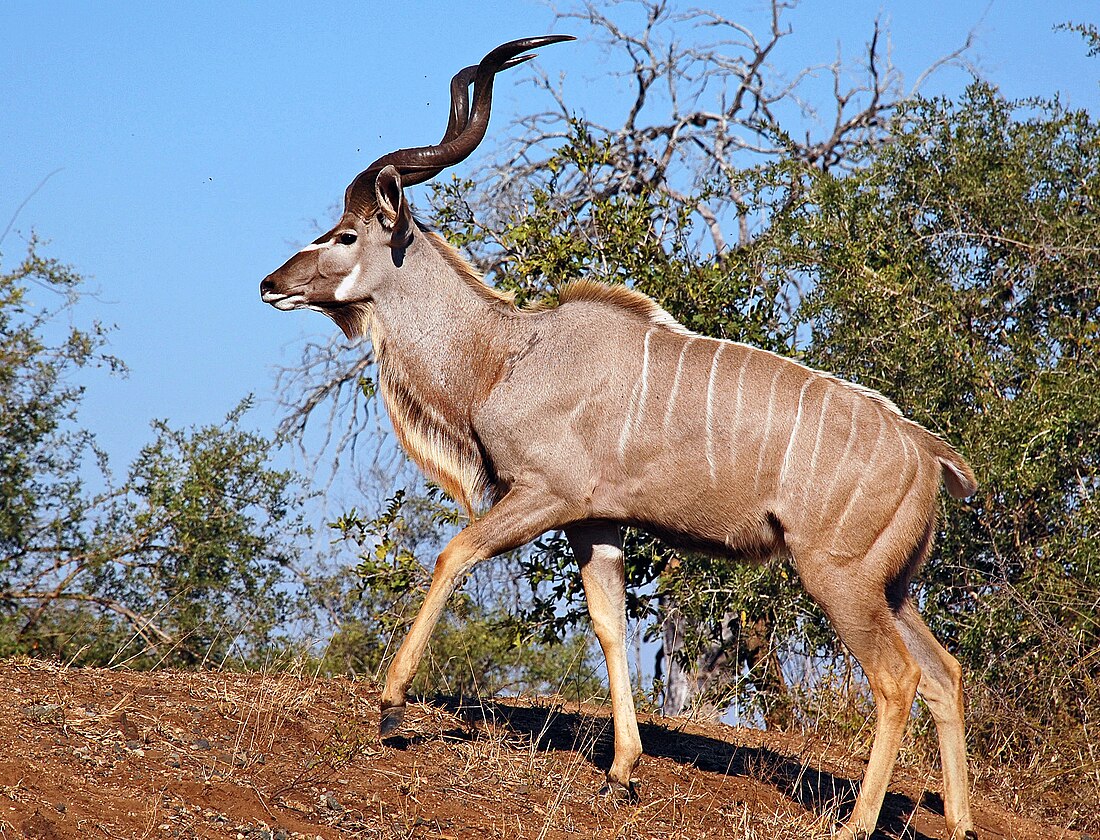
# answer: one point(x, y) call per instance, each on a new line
point(284, 302)
point(287, 302)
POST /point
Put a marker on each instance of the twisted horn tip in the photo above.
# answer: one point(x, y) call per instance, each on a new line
point(511, 48)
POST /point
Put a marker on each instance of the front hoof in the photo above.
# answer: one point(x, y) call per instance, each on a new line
point(391, 719)
point(970, 835)
point(617, 792)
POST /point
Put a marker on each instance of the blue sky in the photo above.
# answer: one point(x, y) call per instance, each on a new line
point(200, 143)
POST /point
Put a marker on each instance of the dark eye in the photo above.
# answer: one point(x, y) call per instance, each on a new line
point(346, 238)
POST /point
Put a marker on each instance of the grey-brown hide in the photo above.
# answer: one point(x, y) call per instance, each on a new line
point(602, 411)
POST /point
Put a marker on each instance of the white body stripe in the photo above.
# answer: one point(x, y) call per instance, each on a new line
point(636, 411)
point(645, 375)
point(676, 383)
point(628, 423)
point(837, 470)
point(740, 401)
point(767, 430)
point(858, 490)
point(822, 413)
point(903, 475)
point(710, 411)
point(794, 433)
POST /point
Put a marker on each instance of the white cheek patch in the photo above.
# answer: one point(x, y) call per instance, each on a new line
point(344, 290)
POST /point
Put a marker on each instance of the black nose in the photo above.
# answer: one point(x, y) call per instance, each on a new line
point(267, 285)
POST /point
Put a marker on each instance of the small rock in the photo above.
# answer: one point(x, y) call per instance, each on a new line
point(127, 728)
point(200, 744)
point(174, 760)
point(42, 712)
point(60, 807)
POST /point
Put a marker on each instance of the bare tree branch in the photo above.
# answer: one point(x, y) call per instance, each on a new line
point(142, 625)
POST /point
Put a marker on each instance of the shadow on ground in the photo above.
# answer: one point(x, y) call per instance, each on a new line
point(552, 728)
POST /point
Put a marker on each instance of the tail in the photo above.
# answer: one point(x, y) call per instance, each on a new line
point(957, 475)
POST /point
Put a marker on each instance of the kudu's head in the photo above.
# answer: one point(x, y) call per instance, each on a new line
point(340, 271)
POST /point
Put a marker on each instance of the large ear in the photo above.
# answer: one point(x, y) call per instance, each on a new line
point(393, 207)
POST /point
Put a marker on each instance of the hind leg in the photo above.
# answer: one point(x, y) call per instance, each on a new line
point(941, 688)
point(893, 675)
point(856, 606)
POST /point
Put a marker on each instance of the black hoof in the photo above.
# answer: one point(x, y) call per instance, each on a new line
point(391, 719)
point(861, 835)
point(618, 792)
point(970, 835)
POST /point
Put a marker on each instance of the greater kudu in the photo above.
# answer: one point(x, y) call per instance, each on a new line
point(603, 411)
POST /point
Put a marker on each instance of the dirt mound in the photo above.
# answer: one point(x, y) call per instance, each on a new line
point(94, 753)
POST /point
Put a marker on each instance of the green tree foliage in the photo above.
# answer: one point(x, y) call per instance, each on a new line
point(1088, 31)
point(201, 535)
point(959, 272)
point(40, 449)
point(186, 561)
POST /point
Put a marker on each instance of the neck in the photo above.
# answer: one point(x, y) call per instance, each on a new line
point(440, 346)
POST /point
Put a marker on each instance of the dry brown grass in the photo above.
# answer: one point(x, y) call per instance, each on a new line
point(288, 755)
